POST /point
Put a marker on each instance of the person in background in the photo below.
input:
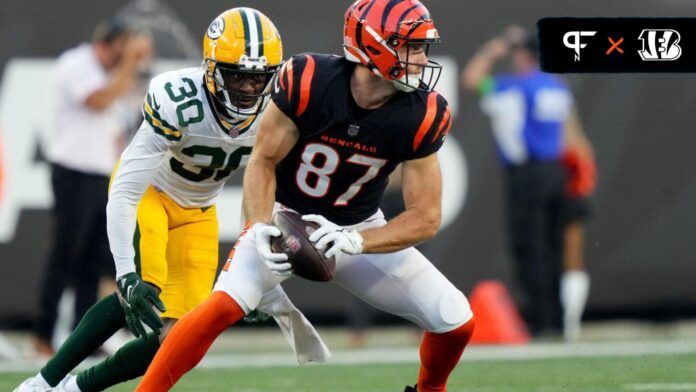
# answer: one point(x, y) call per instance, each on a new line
point(85, 142)
point(528, 110)
point(578, 159)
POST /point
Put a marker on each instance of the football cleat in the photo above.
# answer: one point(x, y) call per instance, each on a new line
point(33, 384)
point(411, 389)
point(68, 384)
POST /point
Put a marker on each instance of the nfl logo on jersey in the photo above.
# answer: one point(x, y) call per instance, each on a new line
point(234, 131)
point(353, 130)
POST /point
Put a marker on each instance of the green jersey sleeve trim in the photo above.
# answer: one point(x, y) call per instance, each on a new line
point(154, 118)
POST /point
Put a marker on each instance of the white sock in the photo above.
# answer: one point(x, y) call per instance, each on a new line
point(42, 380)
point(71, 385)
point(575, 286)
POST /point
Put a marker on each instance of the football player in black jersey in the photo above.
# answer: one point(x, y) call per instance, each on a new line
point(334, 131)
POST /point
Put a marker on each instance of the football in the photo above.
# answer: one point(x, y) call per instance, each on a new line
point(307, 262)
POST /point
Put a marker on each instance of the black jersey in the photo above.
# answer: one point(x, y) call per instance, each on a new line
point(341, 163)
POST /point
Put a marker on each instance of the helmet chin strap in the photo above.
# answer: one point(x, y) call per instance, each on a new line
point(407, 83)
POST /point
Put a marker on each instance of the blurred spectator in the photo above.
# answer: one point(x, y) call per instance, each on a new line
point(578, 159)
point(86, 140)
point(528, 110)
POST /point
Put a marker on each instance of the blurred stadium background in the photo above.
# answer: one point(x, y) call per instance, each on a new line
point(641, 251)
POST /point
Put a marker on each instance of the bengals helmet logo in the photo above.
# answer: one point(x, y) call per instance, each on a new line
point(660, 45)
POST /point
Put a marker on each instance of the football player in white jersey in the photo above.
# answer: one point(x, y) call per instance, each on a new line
point(200, 125)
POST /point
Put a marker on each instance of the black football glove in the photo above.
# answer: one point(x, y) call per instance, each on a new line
point(139, 298)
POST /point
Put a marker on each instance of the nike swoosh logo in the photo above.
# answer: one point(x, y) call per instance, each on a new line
point(276, 85)
point(155, 105)
point(129, 291)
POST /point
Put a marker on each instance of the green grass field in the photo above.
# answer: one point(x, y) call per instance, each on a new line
point(590, 374)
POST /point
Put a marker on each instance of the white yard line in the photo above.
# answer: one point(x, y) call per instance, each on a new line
point(410, 355)
point(475, 353)
point(661, 387)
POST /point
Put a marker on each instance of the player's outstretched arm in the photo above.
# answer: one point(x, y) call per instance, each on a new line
point(422, 190)
point(133, 175)
point(276, 137)
point(479, 67)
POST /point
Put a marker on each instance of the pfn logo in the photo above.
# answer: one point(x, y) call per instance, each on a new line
point(659, 45)
point(575, 44)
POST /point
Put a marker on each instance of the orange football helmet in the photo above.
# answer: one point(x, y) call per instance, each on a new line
point(374, 32)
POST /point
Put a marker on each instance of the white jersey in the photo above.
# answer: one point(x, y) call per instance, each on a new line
point(182, 148)
point(83, 139)
point(201, 153)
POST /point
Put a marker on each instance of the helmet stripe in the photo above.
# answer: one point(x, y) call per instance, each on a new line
point(367, 9)
point(259, 31)
point(359, 27)
point(379, 39)
point(428, 119)
point(250, 33)
point(351, 10)
point(306, 85)
point(408, 11)
point(387, 11)
point(245, 23)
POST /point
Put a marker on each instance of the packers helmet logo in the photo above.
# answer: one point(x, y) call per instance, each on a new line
point(216, 28)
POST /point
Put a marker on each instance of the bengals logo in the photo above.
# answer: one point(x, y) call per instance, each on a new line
point(660, 45)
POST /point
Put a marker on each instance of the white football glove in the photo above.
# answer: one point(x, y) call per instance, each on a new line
point(343, 240)
point(274, 261)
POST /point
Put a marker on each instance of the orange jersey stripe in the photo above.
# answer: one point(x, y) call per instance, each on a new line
point(444, 125)
point(305, 85)
point(427, 120)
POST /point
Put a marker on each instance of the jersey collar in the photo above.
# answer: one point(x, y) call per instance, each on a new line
point(227, 128)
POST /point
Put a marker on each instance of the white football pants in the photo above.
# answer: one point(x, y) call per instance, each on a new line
point(403, 283)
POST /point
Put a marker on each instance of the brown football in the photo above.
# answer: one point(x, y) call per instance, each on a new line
point(307, 262)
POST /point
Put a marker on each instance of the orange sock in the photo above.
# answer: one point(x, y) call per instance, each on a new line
point(440, 353)
point(189, 340)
